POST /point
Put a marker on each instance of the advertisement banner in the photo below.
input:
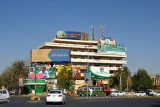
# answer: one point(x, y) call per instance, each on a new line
point(76, 71)
point(68, 35)
point(87, 76)
point(79, 83)
point(49, 55)
point(42, 72)
point(99, 72)
point(21, 82)
point(111, 49)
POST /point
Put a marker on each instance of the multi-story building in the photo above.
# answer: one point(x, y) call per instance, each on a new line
point(156, 80)
point(83, 53)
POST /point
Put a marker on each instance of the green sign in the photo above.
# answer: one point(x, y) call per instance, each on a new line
point(112, 48)
point(99, 72)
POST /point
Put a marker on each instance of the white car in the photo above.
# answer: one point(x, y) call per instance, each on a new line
point(55, 96)
point(139, 93)
point(4, 96)
point(157, 94)
point(117, 93)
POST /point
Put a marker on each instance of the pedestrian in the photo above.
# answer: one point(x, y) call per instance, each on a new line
point(91, 91)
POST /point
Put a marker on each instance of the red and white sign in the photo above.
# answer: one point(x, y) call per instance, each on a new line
point(38, 75)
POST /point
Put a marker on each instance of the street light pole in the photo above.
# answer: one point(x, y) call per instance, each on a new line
point(35, 84)
point(87, 70)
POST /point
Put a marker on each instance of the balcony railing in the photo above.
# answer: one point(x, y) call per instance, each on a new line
point(98, 61)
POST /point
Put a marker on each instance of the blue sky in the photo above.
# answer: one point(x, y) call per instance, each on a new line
point(25, 24)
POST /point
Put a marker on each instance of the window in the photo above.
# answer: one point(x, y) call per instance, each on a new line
point(74, 56)
point(74, 49)
point(110, 65)
point(82, 57)
point(90, 57)
point(0, 91)
point(111, 72)
point(4, 92)
point(90, 50)
point(55, 92)
point(110, 58)
point(82, 50)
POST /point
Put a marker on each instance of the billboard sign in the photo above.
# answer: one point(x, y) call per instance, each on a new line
point(99, 72)
point(49, 55)
point(79, 83)
point(112, 49)
point(87, 76)
point(21, 82)
point(42, 72)
point(68, 35)
point(76, 71)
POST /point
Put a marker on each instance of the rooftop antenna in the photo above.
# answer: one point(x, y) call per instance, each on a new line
point(102, 28)
point(93, 34)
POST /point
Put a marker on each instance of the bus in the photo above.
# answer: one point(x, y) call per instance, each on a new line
point(97, 90)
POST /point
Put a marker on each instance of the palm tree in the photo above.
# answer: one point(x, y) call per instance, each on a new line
point(119, 74)
point(19, 69)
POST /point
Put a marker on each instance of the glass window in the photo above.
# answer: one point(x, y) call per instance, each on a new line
point(74, 49)
point(85, 88)
point(82, 57)
point(74, 56)
point(55, 92)
point(4, 92)
point(0, 91)
point(97, 88)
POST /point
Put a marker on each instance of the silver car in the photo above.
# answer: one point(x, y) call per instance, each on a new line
point(117, 93)
point(4, 96)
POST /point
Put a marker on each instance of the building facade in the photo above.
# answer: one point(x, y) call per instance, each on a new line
point(84, 53)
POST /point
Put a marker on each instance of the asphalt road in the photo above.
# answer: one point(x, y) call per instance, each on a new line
point(91, 102)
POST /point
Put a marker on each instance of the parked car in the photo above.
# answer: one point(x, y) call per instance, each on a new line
point(56, 96)
point(140, 93)
point(157, 94)
point(148, 92)
point(117, 93)
point(4, 96)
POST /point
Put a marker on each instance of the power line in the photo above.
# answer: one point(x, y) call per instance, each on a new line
point(19, 28)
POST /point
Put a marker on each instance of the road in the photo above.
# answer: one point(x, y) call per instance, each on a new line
point(91, 102)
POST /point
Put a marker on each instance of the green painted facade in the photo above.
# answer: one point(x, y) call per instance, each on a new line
point(40, 85)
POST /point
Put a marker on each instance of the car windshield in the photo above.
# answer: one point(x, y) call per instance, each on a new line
point(116, 92)
point(139, 92)
point(158, 92)
point(55, 92)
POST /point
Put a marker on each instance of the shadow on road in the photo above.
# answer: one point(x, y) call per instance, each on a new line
point(54, 104)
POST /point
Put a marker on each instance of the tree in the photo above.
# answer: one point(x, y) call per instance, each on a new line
point(10, 76)
point(141, 80)
point(19, 70)
point(64, 78)
point(120, 77)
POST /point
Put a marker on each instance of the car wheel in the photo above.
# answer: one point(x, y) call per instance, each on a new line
point(96, 94)
point(62, 103)
point(47, 103)
point(8, 100)
point(117, 94)
point(82, 94)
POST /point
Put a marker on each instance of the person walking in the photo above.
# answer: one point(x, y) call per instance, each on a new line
point(91, 91)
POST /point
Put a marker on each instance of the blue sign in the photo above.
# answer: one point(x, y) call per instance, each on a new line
point(59, 55)
point(87, 76)
point(68, 35)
